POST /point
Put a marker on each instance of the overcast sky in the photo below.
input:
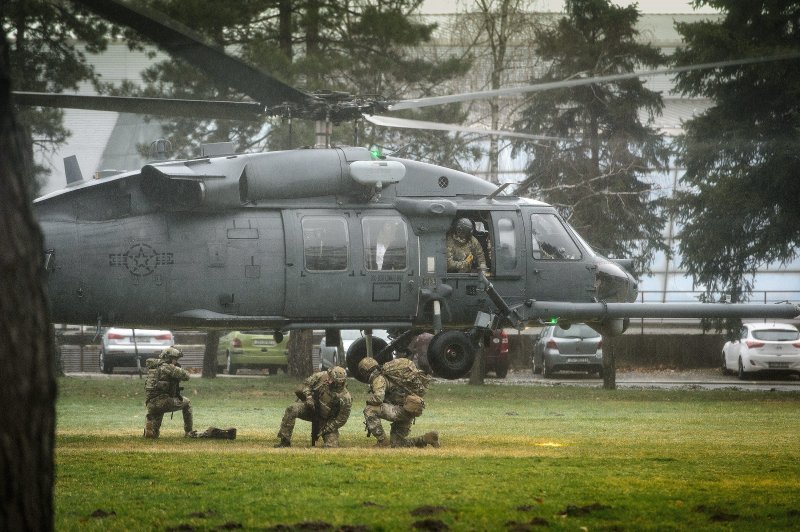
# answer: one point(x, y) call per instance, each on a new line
point(645, 6)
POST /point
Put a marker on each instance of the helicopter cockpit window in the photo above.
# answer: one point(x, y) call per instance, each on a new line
point(550, 239)
point(385, 243)
point(325, 243)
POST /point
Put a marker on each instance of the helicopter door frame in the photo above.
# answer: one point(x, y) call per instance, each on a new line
point(556, 261)
point(501, 235)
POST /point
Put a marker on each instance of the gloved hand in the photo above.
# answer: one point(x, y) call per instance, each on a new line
point(469, 258)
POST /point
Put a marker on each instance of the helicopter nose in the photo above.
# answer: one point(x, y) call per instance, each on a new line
point(614, 284)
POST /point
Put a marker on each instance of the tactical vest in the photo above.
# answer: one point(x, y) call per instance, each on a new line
point(154, 386)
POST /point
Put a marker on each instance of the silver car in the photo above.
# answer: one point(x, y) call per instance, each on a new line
point(578, 348)
point(123, 347)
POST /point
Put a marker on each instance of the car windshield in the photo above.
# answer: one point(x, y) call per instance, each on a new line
point(579, 330)
point(776, 335)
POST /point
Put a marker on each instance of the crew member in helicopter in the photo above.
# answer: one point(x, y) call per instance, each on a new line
point(464, 252)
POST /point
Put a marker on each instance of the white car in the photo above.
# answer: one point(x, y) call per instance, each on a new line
point(763, 347)
point(123, 347)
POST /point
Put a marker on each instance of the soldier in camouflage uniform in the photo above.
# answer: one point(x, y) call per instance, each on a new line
point(388, 400)
point(323, 400)
point(464, 252)
point(162, 395)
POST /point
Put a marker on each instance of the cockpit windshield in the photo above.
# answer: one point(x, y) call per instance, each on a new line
point(551, 240)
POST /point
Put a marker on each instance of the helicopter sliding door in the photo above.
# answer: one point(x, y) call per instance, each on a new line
point(350, 267)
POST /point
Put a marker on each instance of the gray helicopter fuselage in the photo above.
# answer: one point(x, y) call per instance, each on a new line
point(308, 239)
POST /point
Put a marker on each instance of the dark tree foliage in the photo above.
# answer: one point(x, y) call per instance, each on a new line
point(27, 381)
point(45, 58)
point(739, 208)
point(366, 48)
point(597, 177)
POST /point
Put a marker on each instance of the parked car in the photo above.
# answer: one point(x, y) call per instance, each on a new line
point(122, 347)
point(496, 354)
point(763, 347)
point(329, 355)
point(578, 348)
point(252, 349)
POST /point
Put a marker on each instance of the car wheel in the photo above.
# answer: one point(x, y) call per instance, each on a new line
point(741, 374)
point(536, 369)
point(501, 371)
point(451, 354)
point(724, 367)
point(547, 371)
point(232, 368)
point(105, 365)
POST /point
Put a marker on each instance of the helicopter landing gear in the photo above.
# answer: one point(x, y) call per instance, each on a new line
point(358, 350)
point(451, 354)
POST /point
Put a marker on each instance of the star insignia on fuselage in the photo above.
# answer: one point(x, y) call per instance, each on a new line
point(141, 259)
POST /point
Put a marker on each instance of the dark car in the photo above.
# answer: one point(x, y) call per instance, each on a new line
point(578, 348)
point(496, 353)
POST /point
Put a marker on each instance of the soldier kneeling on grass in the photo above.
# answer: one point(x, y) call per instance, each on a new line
point(395, 394)
point(325, 402)
point(163, 392)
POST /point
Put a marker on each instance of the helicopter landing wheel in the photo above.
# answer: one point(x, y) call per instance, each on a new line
point(451, 354)
point(358, 350)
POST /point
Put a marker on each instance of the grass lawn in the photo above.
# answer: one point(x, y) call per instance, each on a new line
point(512, 458)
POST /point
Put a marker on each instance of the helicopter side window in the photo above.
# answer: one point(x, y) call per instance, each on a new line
point(385, 243)
point(325, 243)
point(507, 244)
point(550, 239)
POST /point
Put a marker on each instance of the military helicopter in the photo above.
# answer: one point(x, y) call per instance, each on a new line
point(329, 238)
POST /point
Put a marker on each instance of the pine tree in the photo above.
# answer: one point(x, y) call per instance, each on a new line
point(597, 176)
point(739, 204)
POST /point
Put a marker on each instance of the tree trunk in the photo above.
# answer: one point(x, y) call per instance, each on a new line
point(478, 368)
point(609, 364)
point(210, 354)
point(300, 345)
point(27, 381)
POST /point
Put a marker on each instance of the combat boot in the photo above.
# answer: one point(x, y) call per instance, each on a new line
point(382, 442)
point(431, 438)
point(285, 442)
point(149, 431)
point(190, 434)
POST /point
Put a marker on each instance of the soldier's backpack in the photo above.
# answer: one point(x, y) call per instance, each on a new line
point(403, 373)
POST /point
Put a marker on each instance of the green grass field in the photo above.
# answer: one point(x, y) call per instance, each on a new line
point(512, 458)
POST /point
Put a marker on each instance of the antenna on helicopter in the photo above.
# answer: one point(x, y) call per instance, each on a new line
point(160, 150)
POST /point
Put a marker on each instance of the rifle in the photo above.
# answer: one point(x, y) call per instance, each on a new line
point(315, 421)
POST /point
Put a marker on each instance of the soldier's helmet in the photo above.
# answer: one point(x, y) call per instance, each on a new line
point(338, 377)
point(366, 366)
point(170, 353)
point(462, 229)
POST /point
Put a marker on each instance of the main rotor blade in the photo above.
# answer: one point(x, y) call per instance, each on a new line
point(147, 106)
point(182, 42)
point(389, 121)
point(568, 83)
